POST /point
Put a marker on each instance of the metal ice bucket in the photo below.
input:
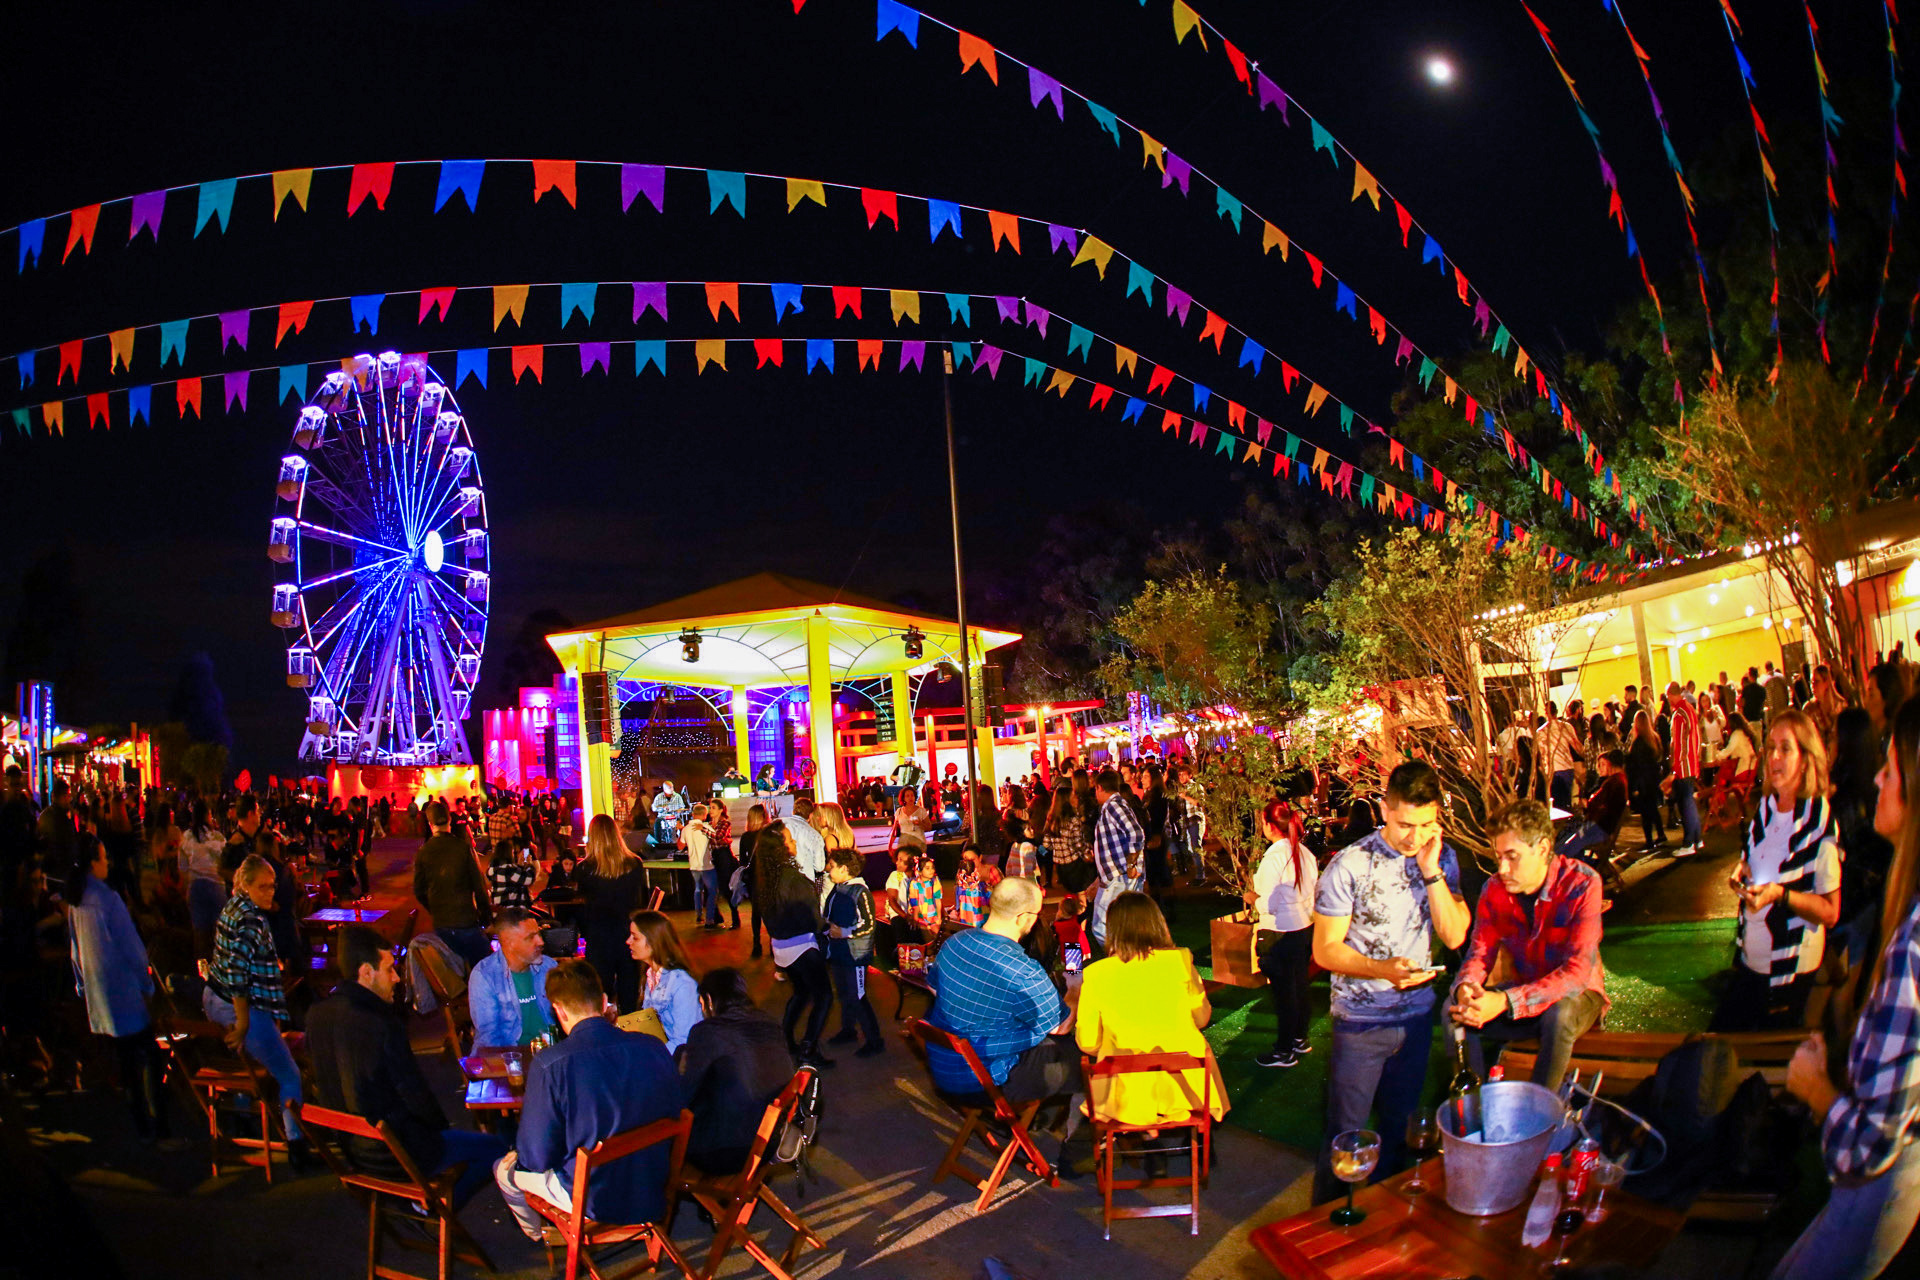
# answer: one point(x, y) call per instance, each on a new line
point(1486, 1178)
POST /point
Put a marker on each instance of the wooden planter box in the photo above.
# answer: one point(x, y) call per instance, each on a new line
point(1233, 962)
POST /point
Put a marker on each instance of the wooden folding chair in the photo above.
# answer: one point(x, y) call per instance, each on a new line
point(457, 1033)
point(1107, 1135)
point(392, 1201)
point(982, 1117)
point(654, 899)
point(197, 1052)
point(582, 1233)
point(731, 1200)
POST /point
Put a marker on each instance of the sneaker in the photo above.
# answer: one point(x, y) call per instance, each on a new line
point(1686, 850)
point(1278, 1058)
point(1302, 1047)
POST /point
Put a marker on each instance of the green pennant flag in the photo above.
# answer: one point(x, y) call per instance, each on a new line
point(1366, 490)
point(1224, 444)
point(1428, 370)
point(1346, 420)
point(1293, 447)
point(1502, 339)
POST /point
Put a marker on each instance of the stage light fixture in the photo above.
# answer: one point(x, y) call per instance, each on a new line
point(914, 642)
point(690, 645)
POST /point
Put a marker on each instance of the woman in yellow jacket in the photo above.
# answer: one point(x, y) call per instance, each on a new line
point(1146, 997)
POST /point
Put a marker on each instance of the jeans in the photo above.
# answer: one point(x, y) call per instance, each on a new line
point(1286, 959)
point(856, 1015)
point(1103, 898)
point(1561, 789)
point(514, 1185)
point(471, 943)
point(1576, 843)
point(265, 1047)
point(478, 1152)
point(1375, 1067)
point(1683, 789)
point(1555, 1027)
point(706, 896)
point(1862, 1227)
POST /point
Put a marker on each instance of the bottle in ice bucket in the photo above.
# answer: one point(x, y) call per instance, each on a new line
point(1546, 1204)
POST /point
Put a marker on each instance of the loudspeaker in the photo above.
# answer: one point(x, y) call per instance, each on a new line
point(595, 707)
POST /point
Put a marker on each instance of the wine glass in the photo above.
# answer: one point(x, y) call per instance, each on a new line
point(1355, 1153)
point(1607, 1174)
point(1564, 1225)
point(1423, 1139)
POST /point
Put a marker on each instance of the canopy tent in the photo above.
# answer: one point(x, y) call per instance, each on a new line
point(768, 631)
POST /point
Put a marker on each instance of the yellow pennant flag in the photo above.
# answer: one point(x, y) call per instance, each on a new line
point(291, 182)
point(1273, 237)
point(1185, 20)
point(1316, 396)
point(1364, 181)
point(1252, 454)
point(1061, 381)
point(1125, 359)
point(1453, 391)
point(905, 302)
point(1154, 152)
point(709, 351)
point(509, 300)
point(122, 345)
point(1319, 461)
point(1520, 362)
point(1096, 251)
point(799, 189)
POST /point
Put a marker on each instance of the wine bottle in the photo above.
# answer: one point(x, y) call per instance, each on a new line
point(1465, 1085)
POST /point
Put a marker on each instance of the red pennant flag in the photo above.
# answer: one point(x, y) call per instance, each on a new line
point(1170, 421)
point(975, 50)
point(69, 359)
point(1287, 374)
point(1102, 396)
point(374, 180)
point(1313, 265)
point(80, 227)
point(293, 315)
point(429, 299)
point(1460, 283)
point(1539, 383)
point(186, 394)
point(1473, 410)
point(878, 203)
point(1239, 61)
point(1378, 324)
point(1160, 379)
point(768, 351)
point(1406, 223)
point(97, 407)
point(1215, 328)
point(525, 358)
point(1004, 225)
point(723, 295)
point(554, 175)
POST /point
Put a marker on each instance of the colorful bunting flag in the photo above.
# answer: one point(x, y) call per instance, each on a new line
point(726, 187)
point(462, 177)
point(799, 189)
point(880, 204)
point(904, 303)
point(768, 351)
point(554, 175)
point(649, 180)
point(293, 382)
point(1041, 87)
point(721, 295)
point(81, 224)
point(293, 315)
point(786, 296)
point(234, 386)
point(216, 201)
point(974, 50)
point(1004, 226)
point(365, 310)
point(653, 352)
point(709, 351)
point(374, 180)
point(286, 182)
point(147, 210)
point(942, 214)
point(430, 301)
point(819, 352)
point(890, 16)
point(509, 300)
point(140, 404)
point(120, 350)
point(646, 297)
point(233, 328)
point(529, 359)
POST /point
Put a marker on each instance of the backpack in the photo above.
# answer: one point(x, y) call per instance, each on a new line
point(1722, 1129)
point(796, 1138)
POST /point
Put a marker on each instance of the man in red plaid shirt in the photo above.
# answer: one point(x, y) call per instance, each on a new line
point(1684, 766)
point(1544, 911)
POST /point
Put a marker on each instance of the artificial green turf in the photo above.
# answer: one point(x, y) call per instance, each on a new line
point(1658, 976)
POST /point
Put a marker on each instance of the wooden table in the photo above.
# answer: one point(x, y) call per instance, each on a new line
point(660, 874)
point(487, 1087)
point(1416, 1237)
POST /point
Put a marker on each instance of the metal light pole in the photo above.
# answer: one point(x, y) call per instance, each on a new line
point(960, 597)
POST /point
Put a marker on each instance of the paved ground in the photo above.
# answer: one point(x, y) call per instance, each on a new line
point(162, 1215)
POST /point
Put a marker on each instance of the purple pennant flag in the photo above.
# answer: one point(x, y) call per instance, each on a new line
point(147, 209)
point(649, 297)
point(1178, 300)
point(236, 388)
point(1038, 317)
point(1482, 315)
point(592, 353)
point(1271, 95)
point(233, 328)
point(1041, 86)
point(1009, 308)
point(1058, 236)
point(989, 359)
point(1606, 174)
point(1179, 171)
point(913, 353)
point(643, 179)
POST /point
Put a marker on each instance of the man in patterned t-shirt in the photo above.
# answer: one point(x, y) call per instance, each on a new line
point(1379, 905)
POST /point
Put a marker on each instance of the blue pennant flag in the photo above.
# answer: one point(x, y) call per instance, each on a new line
point(785, 296)
point(960, 308)
point(820, 351)
point(1343, 300)
point(462, 176)
point(577, 297)
point(1202, 397)
point(24, 362)
point(1135, 407)
point(216, 201)
point(366, 310)
point(33, 237)
point(293, 380)
point(651, 352)
point(890, 16)
point(941, 214)
point(472, 363)
point(725, 186)
point(1106, 120)
point(962, 352)
point(1034, 370)
point(173, 339)
point(1430, 252)
point(1138, 277)
point(140, 404)
point(1252, 353)
point(1227, 206)
point(1080, 340)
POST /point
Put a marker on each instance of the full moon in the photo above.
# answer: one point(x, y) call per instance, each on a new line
point(1440, 70)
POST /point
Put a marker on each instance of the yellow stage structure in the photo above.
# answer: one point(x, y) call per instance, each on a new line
point(768, 631)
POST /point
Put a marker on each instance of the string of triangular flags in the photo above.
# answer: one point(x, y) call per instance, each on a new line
point(1895, 196)
point(1335, 476)
point(167, 341)
point(1769, 184)
point(1830, 123)
point(728, 189)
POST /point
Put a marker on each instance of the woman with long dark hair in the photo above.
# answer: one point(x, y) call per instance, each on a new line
point(672, 989)
point(1282, 899)
point(1644, 772)
point(792, 906)
point(1869, 1109)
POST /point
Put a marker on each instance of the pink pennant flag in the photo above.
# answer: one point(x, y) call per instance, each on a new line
point(431, 299)
point(374, 180)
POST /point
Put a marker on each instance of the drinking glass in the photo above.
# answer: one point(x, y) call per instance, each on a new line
point(1355, 1153)
point(516, 1070)
point(1564, 1225)
point(1423, 1139)
point(1607, 1175)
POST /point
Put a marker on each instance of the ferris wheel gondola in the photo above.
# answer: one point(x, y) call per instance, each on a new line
point(380, 532)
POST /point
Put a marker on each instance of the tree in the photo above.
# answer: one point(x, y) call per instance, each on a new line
point(205, 765)
point(1424, 625)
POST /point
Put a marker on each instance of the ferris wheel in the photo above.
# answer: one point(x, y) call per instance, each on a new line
point(380, 532)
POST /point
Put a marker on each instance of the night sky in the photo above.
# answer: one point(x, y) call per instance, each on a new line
point(608, 493)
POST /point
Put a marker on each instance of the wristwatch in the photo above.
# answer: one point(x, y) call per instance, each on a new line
point(1432, 880)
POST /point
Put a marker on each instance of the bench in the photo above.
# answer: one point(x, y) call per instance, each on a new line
point(1627, 1058)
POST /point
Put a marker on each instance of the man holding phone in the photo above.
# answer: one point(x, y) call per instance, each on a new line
point(1379, 905)
point(1543, 909)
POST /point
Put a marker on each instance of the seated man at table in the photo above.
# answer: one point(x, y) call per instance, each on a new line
point(1544, 911)
point(506, 992)
point(364, 1065)
point(988, 990)
point(598, 1082)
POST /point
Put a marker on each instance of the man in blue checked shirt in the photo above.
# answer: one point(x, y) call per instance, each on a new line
point(1119, 847)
